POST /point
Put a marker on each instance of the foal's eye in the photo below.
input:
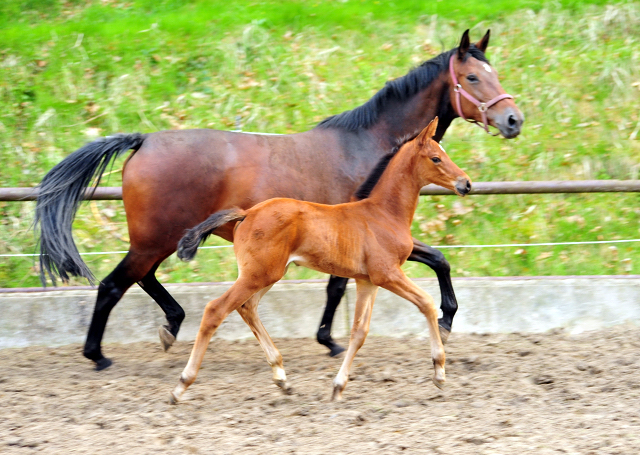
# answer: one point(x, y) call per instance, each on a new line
point(436, 159)
point(472, 78)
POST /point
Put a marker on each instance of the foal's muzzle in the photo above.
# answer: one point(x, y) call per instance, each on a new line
point(463, 186)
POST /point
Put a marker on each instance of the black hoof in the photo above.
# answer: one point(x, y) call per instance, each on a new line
point(103, 363)
point(166, 337)
point(444, 331)
point(336, 350)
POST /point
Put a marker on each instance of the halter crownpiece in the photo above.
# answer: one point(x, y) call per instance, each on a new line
point(482, 107)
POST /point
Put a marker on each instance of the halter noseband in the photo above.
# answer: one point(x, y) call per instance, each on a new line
point(482, 107)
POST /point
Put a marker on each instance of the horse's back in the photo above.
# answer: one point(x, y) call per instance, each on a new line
point(179, 177)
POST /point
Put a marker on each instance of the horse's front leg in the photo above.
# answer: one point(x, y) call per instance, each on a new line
point(335, 290)
point(435, 259)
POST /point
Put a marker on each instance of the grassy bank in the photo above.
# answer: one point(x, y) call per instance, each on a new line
point(70, 71)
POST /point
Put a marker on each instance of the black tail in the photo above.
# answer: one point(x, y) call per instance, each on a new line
point(59, 197)
point(188, 245)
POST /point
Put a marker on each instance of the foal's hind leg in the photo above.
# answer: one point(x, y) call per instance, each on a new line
point(398, 283)
point(366, 294)
point(335, 290)
point(215, 312)
point(249, 313)
point(448, 303)
point(172, 309)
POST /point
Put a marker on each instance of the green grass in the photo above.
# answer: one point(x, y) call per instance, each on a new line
point(72, 70)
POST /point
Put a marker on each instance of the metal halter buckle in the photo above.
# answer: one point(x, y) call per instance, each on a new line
point(482, 107)
point(457, 88)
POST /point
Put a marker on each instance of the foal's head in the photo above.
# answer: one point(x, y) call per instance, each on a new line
point(473, 77)
point(435, 166)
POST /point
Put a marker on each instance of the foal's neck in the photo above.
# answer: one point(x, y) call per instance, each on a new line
point(398, 189)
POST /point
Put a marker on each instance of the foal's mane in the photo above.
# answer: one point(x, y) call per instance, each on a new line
point(365, 189)
point(398, 90)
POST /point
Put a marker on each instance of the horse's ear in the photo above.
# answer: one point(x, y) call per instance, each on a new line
point(428, 132)
point(464, 44)
point(484, 42)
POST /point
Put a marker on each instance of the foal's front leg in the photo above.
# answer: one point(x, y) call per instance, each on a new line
point(249, 313)
point(366, 294)
point(398, 283)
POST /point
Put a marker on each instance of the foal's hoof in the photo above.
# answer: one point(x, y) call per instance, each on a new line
point(438, 377)
point(444, 334)
point(166, 338)
point(284, 386)
point(439, 383)
point(173, 399)
point(103, 363)
point(337, 393)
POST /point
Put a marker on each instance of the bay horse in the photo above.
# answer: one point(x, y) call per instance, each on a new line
point(367, 240)
point(174, 180)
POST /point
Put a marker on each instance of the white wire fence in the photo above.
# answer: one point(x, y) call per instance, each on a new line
point(502, 245)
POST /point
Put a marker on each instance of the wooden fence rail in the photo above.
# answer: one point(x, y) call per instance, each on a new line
point(570, 186)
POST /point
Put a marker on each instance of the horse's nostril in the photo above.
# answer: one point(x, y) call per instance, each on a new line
point(512, 120)
point(468, 185)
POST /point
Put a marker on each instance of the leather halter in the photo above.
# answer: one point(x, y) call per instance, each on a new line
point(482, 107)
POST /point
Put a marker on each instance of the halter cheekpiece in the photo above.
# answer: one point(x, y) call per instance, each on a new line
point(482, 107)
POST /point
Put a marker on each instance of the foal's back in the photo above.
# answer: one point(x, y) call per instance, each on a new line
point(344, 239)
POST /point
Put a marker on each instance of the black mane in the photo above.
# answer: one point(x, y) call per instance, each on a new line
point(364, 190)
point(398, 90)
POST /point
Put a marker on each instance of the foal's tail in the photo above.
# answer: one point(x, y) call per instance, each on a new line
point(188, 245)
point(59, 196)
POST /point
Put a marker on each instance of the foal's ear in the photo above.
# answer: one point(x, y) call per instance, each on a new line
point(484, 42)
point(427, 133)
point(464, 44)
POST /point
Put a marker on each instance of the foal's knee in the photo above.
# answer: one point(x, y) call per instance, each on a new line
point(358, 336)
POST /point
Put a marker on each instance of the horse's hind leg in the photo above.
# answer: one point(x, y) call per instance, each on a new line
point(111, 289)
point(215, 312)
point(172, 309)
point(249, 313)
point(366, 294)
point(335, 290)
point(448, 303)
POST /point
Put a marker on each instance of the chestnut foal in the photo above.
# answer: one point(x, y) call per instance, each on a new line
point(367, 240)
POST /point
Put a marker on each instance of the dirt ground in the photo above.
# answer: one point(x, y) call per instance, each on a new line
point(506, 394)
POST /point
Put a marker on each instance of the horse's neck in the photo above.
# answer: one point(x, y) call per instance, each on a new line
point(397, 191)
point(401, 119)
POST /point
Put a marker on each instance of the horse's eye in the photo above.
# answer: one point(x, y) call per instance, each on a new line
point(472, 78)
point(436, 160)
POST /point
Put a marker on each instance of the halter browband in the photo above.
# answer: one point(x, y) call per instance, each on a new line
point(482, 107)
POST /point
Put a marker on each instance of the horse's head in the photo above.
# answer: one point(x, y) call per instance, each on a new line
point(435, 166)
point(476, 93)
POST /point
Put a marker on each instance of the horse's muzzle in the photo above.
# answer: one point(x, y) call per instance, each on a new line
point(510, 122)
